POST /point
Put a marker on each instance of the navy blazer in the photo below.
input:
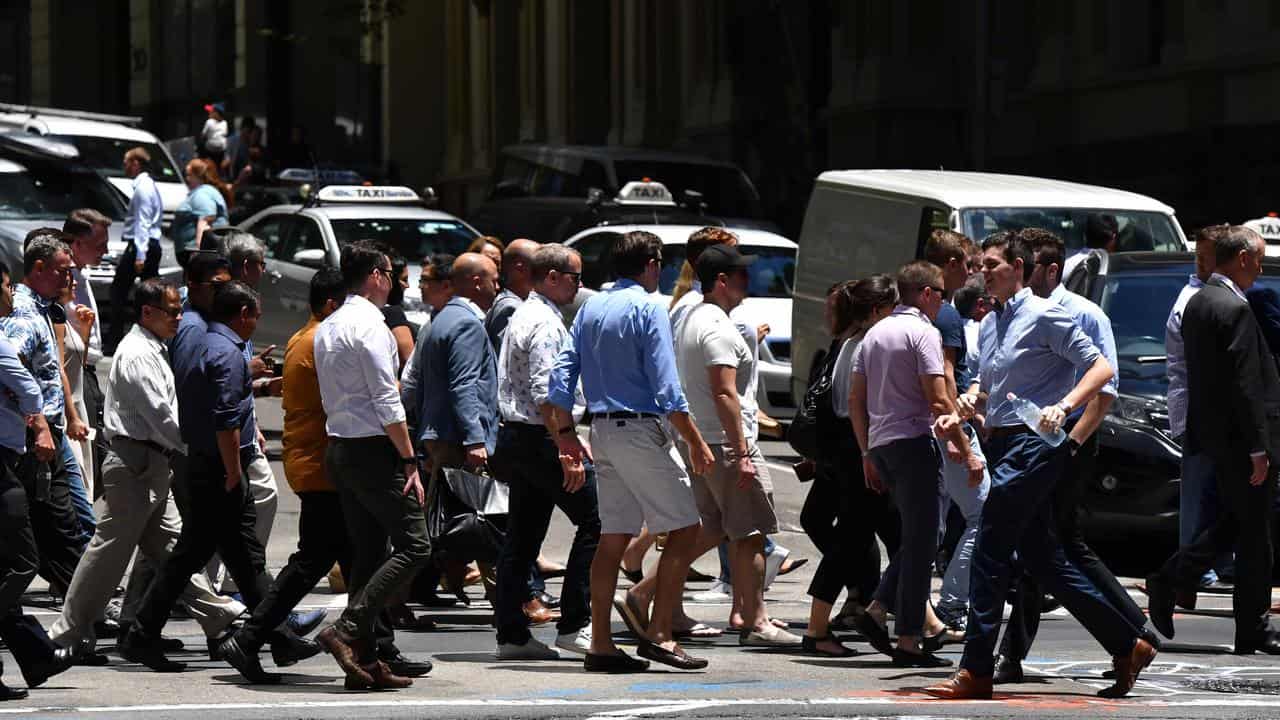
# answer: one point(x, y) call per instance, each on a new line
point(459, 376)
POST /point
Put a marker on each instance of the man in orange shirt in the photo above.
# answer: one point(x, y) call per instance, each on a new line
point(319, 546)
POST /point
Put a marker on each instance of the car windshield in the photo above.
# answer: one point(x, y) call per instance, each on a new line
point(725, 190)
point(1138, 305)
point(31, 195)
point(410, 238)
point(106, 155)
point(1139, 231)
point(772, 276)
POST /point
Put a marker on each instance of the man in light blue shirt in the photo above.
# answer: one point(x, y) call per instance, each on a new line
point(141, 227)
point(1081, 427)
point(1031, 347)
point(623, 351)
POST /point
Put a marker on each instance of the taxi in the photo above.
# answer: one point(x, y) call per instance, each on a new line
point(1269, 228)
point(301, 238)
point(772, 278)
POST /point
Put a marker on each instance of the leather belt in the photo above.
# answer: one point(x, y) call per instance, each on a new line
point(627, 415)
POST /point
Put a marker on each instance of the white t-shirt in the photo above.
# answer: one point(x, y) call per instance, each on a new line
point(707, 338)
point(214, 134)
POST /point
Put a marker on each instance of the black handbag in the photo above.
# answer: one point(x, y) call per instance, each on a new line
point(804, 433)
point(467, 515)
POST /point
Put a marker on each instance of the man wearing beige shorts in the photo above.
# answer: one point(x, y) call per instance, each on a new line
point(735, 496)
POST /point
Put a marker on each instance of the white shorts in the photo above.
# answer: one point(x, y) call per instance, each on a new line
point(640, 479)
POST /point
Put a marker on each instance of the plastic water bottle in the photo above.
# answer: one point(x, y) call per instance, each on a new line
point(1029, 414)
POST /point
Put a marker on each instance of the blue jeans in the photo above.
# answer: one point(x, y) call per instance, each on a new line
point(955, 488)
point(1198, 506)
point(1018, 516)
point(726, 576)
point(79, 494)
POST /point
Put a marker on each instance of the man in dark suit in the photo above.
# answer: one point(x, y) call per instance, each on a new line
point(1233, 417)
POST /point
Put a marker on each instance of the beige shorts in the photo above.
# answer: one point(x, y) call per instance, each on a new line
point(729, 510)
point(640, 480)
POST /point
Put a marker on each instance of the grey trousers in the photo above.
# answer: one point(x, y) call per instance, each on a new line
point(370, 480)
point(136, 511)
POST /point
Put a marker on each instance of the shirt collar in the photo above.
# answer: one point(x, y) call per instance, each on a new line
point(1227, 281)
point(467, 303)
point(1195, 281)
point(149, 337)
point(1013, 302)
point(226, 332)
point(534, 295)
point(1058, 293)
point(627, 284)
point(140, 177)
point(910, 310)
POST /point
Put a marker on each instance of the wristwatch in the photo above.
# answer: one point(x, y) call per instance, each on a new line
point(409, 460)
point(1065, 407)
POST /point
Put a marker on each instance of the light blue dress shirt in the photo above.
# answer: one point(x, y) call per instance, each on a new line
point(29, 330)
point(146, 210)
point(21, 397)
point(1033, 348)
point(1097, 326)
point(622, 348)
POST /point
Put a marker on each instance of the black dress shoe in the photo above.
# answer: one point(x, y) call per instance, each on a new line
point(62, 660)
point(246, 663)
point(1160, 604)
point(8, 693)
point(404, 665)
point(617, 663)
point(1008, 672)
point(90, 659)
point(135, 649)
point(287, 648)
point(168, 644)
point(106, 629)
point(875, 633)
point(1269, 643)
point(548, 599)
point(679, 660)
point(907, 658)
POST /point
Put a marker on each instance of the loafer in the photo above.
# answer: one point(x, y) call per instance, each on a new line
point(679, 659)
point(384, 679)
point(303, 624)
point(875, 633)
point(1008, 672)
point(619, 662)
point(289, 649)
point(1160, 602)
point(401, 664)
point(1128, 667)
point(547, 599)
point(963, 685)
point(538, 614)
point(106, 629)
point(246, 663)
point(907, 658)
point(8, 693)
point(332, 641)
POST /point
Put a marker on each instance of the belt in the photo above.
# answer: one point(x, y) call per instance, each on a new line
point(1009, 431)
point(627, 415)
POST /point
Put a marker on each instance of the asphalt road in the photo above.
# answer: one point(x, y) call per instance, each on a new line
point(1192, 680)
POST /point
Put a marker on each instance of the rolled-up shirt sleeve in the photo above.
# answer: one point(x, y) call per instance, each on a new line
point(1067, 340)
point(18, 381)
point(377, 358)
point(564, 374)
point(660, 360)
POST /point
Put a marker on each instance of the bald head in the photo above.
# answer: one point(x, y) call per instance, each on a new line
point(517, 266)
point(475, 277)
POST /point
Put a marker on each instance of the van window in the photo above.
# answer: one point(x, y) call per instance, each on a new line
point(1139, 231)
point(931, 219)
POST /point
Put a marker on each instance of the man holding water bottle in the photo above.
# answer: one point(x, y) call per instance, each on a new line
point(1031, 348)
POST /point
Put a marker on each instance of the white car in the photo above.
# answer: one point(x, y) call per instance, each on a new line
point(303, 238)
point(101, 141)
point(772, 279)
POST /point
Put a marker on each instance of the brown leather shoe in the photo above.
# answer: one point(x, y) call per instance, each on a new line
point(384, 679)
point(964, 685)
point(538, 613)
point(340, 647)
point(1128, 667)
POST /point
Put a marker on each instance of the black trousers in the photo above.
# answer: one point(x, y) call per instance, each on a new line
point(122, 285)
point(527, 460)
point(218, 521)
point(322, 541)
point(54, 522)
point(1028, 597)
point(19, 561)
point(1243, 524)
point(842, 518)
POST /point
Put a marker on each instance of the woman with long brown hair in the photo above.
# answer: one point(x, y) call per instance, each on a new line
point(205, 207)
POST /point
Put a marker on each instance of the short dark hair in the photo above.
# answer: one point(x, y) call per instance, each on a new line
point(44, 246)
point(1013, 247)
point(632, 252)
point(81, 222)
point(440, 265)
point(915, 276)
point(945, 245)
point(230, 299)
point(151, 292)
point(204, 264)
point(1047, 248)
point(855, 300)
point(358, 260)
point(966, 298)
point(327, 284)
point(552, 256)
point(1210, 233)
point(1100, 230)
point(1227, 245)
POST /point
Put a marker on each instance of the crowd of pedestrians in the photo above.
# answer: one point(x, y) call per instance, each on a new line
point(955, 418)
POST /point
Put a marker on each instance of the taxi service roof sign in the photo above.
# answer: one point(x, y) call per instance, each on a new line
point(639, 192)
point(367, 194)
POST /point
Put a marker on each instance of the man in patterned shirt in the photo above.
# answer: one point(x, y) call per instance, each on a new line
point(47, 270)
point(528, 460)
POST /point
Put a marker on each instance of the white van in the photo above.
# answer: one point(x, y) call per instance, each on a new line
point(102, 141)
point(862, 222)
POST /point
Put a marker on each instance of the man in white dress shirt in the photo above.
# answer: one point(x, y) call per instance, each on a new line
point(371, 462)
point(141, 227)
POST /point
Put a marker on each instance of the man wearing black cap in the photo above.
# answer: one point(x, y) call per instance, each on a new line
point(734, 496)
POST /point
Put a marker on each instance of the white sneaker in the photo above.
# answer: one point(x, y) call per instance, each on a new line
point(719, 593)
point(531, 650)
point(578, 643)
point(773, 563)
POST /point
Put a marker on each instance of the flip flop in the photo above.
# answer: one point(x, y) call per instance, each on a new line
point(631, 616)
point(795, 565)
point(699, 631)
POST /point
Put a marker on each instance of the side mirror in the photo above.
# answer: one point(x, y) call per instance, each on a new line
point(310, 258)
point(429, 197)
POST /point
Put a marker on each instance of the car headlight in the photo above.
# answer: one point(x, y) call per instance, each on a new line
point(1135, 411)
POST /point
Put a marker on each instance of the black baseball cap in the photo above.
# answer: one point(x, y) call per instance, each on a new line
point(721, 259)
